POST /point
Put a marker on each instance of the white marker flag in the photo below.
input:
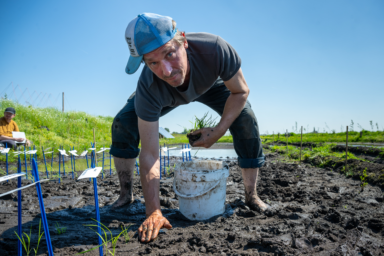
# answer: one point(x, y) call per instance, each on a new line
point(73, 152)
point(11, 176)
point(12, 191)
point(84, 153)
point(5, 150)
point(90, 173)
point(102, 150)
point(185, 150)
point(31, 152)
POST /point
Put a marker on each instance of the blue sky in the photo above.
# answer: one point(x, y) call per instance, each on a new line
point(310, 62)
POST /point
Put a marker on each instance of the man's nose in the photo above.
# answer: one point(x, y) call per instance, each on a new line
point(166, 68)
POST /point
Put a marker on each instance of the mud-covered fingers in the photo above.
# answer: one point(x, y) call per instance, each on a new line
point(149, 232)
point(156, 229)
point(143, 233)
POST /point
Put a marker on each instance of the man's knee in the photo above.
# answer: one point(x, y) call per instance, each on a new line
point(125, 136)
point(245, 126)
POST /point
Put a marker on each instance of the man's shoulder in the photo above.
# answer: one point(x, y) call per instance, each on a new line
point(201, 42)
point(3, 121)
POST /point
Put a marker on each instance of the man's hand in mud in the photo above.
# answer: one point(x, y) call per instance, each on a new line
point(150, 228)
point(209, 136)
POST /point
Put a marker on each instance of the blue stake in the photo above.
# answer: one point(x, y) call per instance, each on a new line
point(6, 159)
point(71, 159)
point(102, 172)
point(160, 162)
point(74, 163)
point(168, 157)
point(25, 162)
point(137, 168)
point(30, 159)
point(189, 153)
point(59, 167)
point(19, 222)
point(110, 162)
point(53, 153)
point(182, 152)
point(86, 157)
point(97, 209)
point(164, 161)
point(46, 169)
point(34, 147)
point(63, 163)
point(42, 209)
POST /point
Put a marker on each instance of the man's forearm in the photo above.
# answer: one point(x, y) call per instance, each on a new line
point(232, 109)
point(150, 181)
point(3, 137)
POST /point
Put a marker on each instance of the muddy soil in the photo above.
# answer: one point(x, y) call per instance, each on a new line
point(314, 212)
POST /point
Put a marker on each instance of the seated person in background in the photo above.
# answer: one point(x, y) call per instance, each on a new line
point(7, 126)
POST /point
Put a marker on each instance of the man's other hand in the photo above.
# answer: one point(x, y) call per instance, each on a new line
point(150, 228)
point(209, 136)
point(19, 139)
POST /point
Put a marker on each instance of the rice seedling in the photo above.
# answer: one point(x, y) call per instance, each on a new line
point(113, 239)
point(125, 233)
point(27, 242)
point(59, 230)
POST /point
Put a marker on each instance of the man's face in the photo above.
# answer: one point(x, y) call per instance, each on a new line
point(169, 62)
point(8, 116)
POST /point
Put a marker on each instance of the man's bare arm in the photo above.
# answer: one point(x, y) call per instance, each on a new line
point(234, 105)
point(150, 180)
point(3, 137)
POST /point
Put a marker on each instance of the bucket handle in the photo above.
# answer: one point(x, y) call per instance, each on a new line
point(195, 195)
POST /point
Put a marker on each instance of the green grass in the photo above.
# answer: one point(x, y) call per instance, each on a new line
point(367, 136)
point(324, 152)
point(66, 129)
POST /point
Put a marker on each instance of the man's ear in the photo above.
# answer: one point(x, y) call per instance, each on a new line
point(185, 44)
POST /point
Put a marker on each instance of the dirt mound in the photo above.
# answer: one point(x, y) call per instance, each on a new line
point(314, 212)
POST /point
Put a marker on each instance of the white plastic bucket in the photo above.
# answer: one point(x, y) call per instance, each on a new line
point(201, 188)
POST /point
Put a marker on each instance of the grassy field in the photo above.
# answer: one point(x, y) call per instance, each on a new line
point(367, 136)
point(51, 128)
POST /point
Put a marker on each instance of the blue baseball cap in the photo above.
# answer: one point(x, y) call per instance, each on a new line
point(145, 33)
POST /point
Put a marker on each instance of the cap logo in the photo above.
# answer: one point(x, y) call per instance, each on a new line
point(131, 47)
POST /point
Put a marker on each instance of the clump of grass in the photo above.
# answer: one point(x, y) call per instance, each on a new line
point(203, 122)
point(27, 242)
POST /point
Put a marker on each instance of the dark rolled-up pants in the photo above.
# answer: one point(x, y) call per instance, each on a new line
point(245, 131)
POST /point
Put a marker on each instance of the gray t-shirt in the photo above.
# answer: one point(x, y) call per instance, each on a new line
point(210, 57)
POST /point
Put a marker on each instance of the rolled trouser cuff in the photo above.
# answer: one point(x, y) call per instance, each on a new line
point(124, 153)
point(251, 162)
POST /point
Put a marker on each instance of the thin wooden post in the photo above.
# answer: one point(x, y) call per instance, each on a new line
point(94, 145)
point(346, 152)
point(301, 143)
point(273, 139)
